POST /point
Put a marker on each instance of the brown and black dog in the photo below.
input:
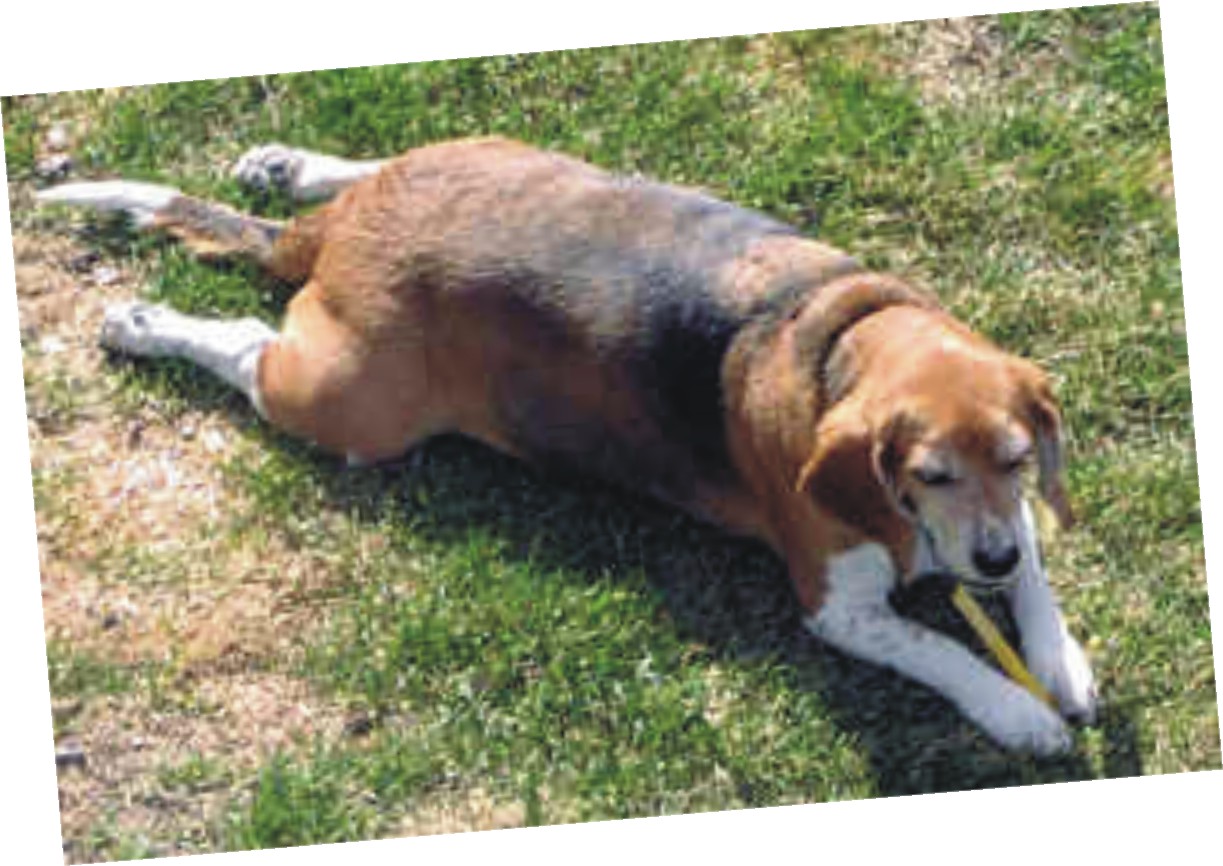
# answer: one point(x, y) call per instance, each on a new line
point(659, 338)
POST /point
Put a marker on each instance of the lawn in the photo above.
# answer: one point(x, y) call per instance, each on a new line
point(252, 645)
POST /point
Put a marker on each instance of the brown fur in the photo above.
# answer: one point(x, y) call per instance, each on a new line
point(558, 313)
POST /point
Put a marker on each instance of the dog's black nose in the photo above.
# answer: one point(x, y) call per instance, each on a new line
point(995, 562)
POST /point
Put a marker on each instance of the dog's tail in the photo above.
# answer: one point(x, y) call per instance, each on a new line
point(209, 229)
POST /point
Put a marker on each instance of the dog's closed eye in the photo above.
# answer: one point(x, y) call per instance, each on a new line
point(934, 477)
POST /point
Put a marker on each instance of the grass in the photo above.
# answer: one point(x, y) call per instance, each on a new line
point(80, 675)
point(566, 652)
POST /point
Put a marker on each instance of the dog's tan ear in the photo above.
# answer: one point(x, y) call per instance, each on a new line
point(888, 450)
point(1046, 423)
point(851, 473)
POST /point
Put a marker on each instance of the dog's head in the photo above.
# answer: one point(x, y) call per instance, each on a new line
point(947, 448)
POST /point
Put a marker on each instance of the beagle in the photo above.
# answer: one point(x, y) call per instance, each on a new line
point(659, 338)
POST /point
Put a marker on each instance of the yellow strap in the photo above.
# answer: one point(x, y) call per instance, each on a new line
point(988, 632)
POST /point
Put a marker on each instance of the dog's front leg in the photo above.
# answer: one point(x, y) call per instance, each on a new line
point(1053, 655)
point(857, 619)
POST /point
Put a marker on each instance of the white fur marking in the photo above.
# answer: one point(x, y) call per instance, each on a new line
point(141, 201)
point(305, 175)
point(229, 349)
point(1053, 655)
point(857, 619)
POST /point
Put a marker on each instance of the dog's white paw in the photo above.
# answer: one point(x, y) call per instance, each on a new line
point(136, 328)
point(1021, 723)
point(270, 166)
point(1065, 671)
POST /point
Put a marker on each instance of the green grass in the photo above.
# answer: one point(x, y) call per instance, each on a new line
point(81, 675)
point(589, 655)
point(197, 773)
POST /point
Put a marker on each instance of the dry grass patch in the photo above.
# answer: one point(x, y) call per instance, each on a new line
point(166, 776)
point(961, 61)
point(131, 506)
point(460, 812)
point(142, 572)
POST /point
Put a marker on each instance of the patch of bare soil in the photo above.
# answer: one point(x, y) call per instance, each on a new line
point(140, 570)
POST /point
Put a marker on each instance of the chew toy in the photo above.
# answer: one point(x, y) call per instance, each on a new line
point(993, 639)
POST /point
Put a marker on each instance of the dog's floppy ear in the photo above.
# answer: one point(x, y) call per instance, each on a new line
point(1046, 423)
point(888, 450)
point(852, 471)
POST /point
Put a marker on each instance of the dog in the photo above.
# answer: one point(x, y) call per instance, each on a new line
point(662, 339)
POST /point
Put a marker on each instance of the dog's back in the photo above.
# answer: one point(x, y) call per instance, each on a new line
point(592, 311)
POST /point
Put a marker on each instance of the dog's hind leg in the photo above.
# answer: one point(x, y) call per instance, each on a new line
point(312, 379)
point(209, 229)
point(228, 348)
point(315, 378)
point(304, 175)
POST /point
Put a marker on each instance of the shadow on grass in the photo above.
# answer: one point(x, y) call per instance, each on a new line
point(730, 596)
